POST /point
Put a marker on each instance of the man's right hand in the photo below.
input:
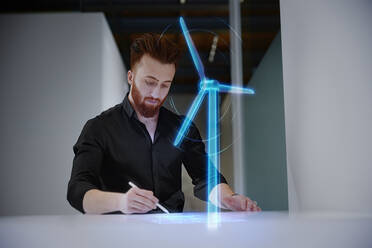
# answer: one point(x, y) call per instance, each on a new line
point(138, 200)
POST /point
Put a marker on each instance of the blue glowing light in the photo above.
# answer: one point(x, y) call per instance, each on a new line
point(212, 88)
point(194, 54)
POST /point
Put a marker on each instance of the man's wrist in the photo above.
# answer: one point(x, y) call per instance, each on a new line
point(120, 201)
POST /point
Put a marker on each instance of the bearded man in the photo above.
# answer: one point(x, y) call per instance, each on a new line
point(133, 141)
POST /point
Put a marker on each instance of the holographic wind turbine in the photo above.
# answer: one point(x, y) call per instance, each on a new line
point(211, 88)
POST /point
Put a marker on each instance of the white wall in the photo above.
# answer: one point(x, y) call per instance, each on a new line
point(113, 73)
point(327, 67)
point(56, 71)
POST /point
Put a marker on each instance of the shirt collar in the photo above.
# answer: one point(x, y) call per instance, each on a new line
point(127, 107)
point(129, 111)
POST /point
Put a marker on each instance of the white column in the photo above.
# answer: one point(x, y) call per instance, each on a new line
point(237, 79)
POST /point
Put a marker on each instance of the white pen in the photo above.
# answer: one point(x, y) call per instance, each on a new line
point(157, 204)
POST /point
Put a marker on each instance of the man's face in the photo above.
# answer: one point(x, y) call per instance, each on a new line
point(150, 81)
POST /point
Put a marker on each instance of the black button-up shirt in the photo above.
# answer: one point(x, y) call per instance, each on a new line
point(115, 148)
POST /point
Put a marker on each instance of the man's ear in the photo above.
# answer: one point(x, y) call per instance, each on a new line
point(130, 77)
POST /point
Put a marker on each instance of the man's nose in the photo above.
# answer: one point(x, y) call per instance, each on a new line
point(156, 93)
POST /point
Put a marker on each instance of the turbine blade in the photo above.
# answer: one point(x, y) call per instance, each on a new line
point(189, 117)
point(194, 53)
point(235, 89)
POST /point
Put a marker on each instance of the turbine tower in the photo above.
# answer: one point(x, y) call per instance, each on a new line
point(210, 87)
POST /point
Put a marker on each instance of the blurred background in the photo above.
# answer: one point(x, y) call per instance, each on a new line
point(299, 144)
point(63, 62)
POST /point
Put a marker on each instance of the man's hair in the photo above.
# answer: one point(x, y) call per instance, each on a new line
point(156, 46)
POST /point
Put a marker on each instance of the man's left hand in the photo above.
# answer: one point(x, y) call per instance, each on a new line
point(237, 202)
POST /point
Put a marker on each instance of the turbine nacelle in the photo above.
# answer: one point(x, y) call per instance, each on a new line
point(208, 84)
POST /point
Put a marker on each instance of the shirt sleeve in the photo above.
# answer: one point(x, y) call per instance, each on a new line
point(195, 162)
point(86, 166)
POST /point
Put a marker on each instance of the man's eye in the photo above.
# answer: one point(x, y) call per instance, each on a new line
point(165, 86)
point(150, 83)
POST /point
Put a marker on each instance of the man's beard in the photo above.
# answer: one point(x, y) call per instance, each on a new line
point(146, 110)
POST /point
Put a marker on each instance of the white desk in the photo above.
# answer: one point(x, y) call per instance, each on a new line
point(267, 229)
